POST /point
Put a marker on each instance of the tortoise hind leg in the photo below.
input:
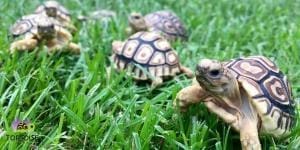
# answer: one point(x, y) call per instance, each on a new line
point(187, 71)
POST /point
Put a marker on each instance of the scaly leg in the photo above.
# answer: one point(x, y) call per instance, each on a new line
point(63, 34)
point(249, 135)
point(189, 95)
point(22, 45)
point(54, 45)
point(156, 82)
point(232, 119)
point(74, 48)
point(187, 71)
point(129, 31)
point(249, 132)
point(71, 27)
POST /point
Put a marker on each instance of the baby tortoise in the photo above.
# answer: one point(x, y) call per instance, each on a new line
point(55, 10)
point(148, 56)
point(101, 14)
point(31, 30)
point(164, 22)
point(251, 94)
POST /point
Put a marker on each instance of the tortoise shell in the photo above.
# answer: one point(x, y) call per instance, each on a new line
point(28, 25)
point(25, 25)
point(21, 27)
point(168, 23)
point(54, 9)
point(147, 53)
point(269, 90)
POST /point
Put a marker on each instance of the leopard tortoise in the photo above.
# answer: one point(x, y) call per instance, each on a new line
point(147, 56)
point(57, 11)
point(32, 30)
point(164, 22)
point(251, 94)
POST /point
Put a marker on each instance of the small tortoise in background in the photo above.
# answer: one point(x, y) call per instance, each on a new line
point(164, 22)
point(57, 11)
point(32, 30)
point(100, 14)
point(250, 94)
point(149, 57)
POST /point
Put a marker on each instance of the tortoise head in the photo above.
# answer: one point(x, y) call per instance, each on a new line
point(51, 8)
point(117, 46)
point(137, 22)
point(51, 11)
point(214, 77)
point(46, 28)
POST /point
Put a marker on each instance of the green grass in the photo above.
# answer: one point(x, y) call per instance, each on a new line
point(74, 105)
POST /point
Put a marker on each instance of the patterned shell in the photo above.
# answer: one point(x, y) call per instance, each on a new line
point(167, 23)
point(269, 90)
point(147, 53)
point(27, 25)
point(55, 9)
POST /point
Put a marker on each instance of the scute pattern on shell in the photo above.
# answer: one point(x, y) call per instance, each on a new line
point(269, 90)
point(53, 4)
point(61, 13)
point(167, 23)
point(21, 27)
point(141, 54)
point(27, 24)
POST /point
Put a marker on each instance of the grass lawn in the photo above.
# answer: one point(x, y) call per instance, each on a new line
point(75, 105)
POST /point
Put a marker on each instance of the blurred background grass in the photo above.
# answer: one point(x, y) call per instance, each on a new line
point(74, 105)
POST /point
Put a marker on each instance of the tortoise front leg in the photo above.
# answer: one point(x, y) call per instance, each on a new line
point(189, 95)
point(71, 27)
point(232, 119)
point(63, 34)
point(55, 45)
point(187, 71)
point(129, 31)
point(157, 81)
point(249, 135)
point(248, 124)
point(24, 44)
point(74, 48)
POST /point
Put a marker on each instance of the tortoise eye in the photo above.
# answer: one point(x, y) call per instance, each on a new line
point(52, 26)
point(136, 17)
point(214, 73)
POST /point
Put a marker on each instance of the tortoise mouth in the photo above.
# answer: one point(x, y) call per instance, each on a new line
point(46, 32)
point(206, 79)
